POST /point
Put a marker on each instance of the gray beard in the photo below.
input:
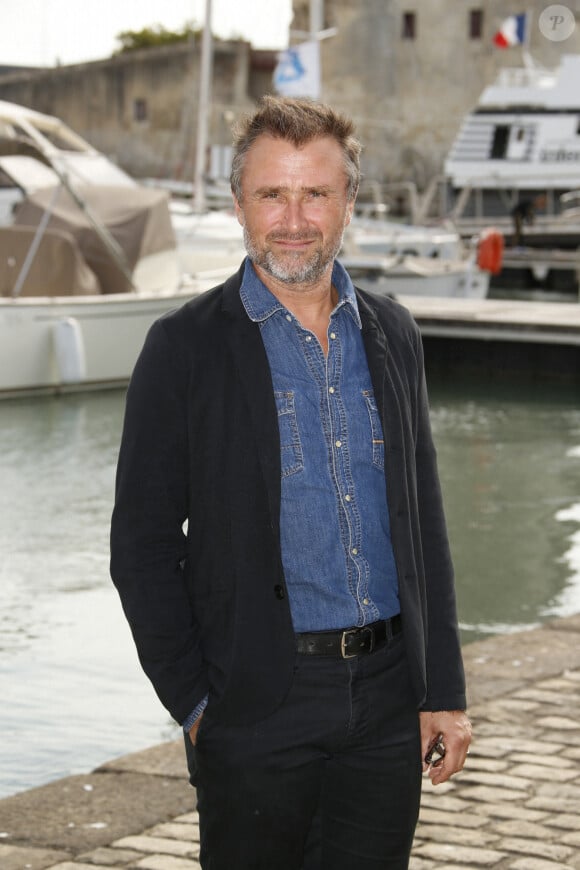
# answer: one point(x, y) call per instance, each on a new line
point(301, 272)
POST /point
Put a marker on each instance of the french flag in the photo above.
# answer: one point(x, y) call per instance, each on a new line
point(511, 32)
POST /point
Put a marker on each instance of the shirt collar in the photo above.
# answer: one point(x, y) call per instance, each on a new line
point(260, 303)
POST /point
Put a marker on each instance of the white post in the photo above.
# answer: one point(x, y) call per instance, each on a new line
point(316, 17)
point(204, 97)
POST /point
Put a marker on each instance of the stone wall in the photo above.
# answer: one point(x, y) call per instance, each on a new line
point(140, 108)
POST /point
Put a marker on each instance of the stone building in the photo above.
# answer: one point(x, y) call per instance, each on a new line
point(408, 71)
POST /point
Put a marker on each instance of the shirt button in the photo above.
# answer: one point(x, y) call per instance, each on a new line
point(338, 443)
point(347, 498)
point(331, 389)
point(288, 318)
point(366, 601)
point(333, 334)
point(354, 551)
point(308, 338)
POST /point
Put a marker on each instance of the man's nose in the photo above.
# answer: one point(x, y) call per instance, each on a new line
point(295, 215)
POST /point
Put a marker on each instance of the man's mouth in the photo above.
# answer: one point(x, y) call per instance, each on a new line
point(293, 241)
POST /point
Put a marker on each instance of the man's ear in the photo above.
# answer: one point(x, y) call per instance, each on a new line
point(238, 210)
point(349, 212)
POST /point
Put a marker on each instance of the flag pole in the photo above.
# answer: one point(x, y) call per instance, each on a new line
point(526, 55)
point(297, 73)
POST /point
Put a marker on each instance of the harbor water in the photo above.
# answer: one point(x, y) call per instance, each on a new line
point(73, 695)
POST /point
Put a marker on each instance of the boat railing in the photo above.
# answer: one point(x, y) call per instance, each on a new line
point(427, 205)
point(521, 77)
point(570, 205)
point(35, 244)
point(396, 198)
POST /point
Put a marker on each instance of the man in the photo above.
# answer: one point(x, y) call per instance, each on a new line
point(524, 212)
point(278, 538)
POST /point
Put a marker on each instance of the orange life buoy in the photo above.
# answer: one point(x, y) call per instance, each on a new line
point(490, 251)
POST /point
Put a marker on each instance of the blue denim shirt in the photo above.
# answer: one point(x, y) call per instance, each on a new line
point(334, 522)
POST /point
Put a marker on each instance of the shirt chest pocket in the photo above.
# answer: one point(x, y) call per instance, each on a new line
point(377, 437)
point(291, 456)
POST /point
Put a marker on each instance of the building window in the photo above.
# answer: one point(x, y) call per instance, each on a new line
point(409, 26)
point(140, 109)
point(476, 23)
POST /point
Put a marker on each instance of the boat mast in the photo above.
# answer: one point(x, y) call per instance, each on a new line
point(203, 110)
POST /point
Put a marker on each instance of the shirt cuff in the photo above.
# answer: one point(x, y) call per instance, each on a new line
point(194, 715)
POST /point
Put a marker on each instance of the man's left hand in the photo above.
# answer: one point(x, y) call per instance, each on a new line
point(455, 730)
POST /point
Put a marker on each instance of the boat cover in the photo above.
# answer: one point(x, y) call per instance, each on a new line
point(58, 268)
point(137, 218)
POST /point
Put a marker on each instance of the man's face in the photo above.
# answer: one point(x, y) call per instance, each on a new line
point(294, 207)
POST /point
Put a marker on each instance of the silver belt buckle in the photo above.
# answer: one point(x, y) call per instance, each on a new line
point(343, 651)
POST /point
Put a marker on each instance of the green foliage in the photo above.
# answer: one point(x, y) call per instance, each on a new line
point(150, 37)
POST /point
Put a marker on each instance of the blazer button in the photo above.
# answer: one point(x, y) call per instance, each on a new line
point(279, 592)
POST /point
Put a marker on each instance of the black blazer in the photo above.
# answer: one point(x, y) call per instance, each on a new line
point(195, 545)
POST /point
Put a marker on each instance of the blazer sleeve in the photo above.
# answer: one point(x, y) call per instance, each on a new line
point(148, 542)
point(444, 665)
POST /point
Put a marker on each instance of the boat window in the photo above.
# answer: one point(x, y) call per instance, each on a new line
point(6, 130)
point(475, 23)
point(500, 141)
point(409, 30)
point(61, 137)
point(10, 130)
point(578, 127)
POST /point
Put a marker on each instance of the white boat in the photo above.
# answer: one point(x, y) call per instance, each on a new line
point(404, 275)
point(60, 344)
point(523, 132)
point(403, 259)
point(88, 260)
point(521, 141)
point(520, 148)
point(381, 236)
point(70, 317)
point(212, 240)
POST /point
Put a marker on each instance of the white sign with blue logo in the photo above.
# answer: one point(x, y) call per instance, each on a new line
point(297, 73)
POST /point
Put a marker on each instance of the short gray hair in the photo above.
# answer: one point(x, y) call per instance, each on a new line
point(299, 121)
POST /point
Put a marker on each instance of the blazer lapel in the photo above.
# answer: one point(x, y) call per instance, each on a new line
point(252, 366)
point(376, 349)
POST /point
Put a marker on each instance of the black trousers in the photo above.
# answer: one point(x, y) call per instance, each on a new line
point(330, 781)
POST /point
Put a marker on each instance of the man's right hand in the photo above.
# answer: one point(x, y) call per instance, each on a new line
point(194, 729)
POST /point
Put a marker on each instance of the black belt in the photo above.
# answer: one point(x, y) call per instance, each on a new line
point(349, 642)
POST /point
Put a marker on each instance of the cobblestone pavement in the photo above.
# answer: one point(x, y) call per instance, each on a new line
point(516, 806)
